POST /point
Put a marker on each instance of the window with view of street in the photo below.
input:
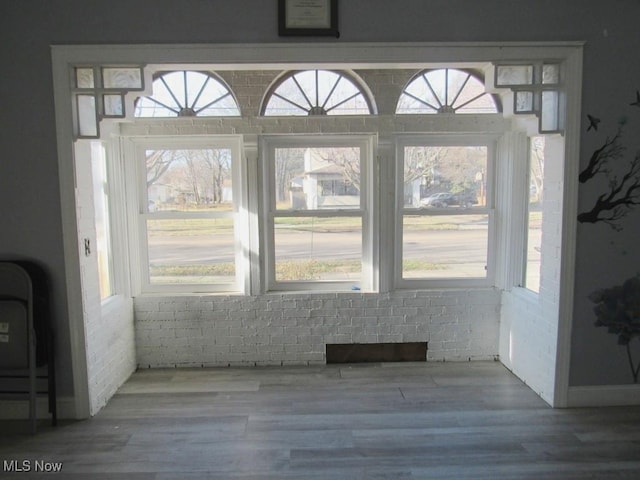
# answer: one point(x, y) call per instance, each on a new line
point(316, 210)
point(189, 216)
point(445, 222)
point(316, 197)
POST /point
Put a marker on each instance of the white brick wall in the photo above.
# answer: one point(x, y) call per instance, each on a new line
point(529, 323)
point(109, 332)
point(281, 329)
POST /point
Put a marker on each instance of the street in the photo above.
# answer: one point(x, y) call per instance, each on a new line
point(438, 246)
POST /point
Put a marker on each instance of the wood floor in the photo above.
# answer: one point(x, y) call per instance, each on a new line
point(366, 421)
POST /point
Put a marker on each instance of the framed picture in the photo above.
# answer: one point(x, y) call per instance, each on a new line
point(308, 18)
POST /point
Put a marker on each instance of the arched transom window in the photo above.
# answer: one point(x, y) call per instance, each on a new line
point(316, 92)
point(187, 93)
point(446, 90)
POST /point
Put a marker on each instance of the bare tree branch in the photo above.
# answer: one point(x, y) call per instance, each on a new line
point(158, 162)
point(348, 159)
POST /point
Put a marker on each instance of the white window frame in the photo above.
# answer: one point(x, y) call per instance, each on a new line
point(366, 143)
point(139, 211)
point(475, 139)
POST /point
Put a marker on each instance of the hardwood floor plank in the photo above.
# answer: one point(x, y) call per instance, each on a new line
point(375, 421)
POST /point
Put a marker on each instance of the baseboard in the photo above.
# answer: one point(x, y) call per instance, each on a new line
point(603, 396)
point(19, 409)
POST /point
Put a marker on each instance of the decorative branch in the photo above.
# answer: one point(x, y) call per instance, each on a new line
point(612, 206)
point(623, 193)
point(611, 149)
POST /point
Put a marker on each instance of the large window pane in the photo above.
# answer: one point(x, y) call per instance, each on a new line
point(200, 251)
point(445, 176)
point(189, 180)
point(534, 214)
point(122, 77)
point(87, 116)
point(444, 246)
point(102, 218)
point(318, 248)
point(317, 178)
point(190, 250)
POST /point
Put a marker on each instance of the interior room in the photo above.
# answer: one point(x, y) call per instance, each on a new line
point(276, 217)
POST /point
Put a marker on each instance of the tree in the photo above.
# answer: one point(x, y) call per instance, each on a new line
point(347, 159)
point(460, 165)
point(158, 163)
point(199, 174)
point(196, 179)
point(420, 163)
point(289, 164)
point(218, 162)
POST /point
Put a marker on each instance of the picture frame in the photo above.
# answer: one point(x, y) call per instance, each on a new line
point(308, 18)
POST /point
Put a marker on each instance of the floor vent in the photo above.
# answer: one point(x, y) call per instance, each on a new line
point(377, 352)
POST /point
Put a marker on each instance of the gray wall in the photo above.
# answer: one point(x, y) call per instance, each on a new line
point(29, 193)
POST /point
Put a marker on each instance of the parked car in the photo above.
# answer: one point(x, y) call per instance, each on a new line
point(448, 199)
point(435, 200)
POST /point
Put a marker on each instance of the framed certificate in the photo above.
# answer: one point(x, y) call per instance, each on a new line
point(308, 17)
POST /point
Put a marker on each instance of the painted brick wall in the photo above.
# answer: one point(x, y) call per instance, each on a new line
point(529, 325)
point(108, 327)
point(281, 329)
point(110, 336)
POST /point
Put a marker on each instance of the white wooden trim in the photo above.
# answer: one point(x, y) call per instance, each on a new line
point(603, 396)
point(253, 217)
point(573, 91)
point(384, 209)
point(66, 174)
point(279, 56)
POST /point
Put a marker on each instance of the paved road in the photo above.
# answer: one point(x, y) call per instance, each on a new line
point(448, 246)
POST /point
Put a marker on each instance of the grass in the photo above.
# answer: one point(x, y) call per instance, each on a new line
point(319, 224)
point(189, 227)
point(285, 271)
point(214, 269)
point(224, 226)
point(413, 265)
